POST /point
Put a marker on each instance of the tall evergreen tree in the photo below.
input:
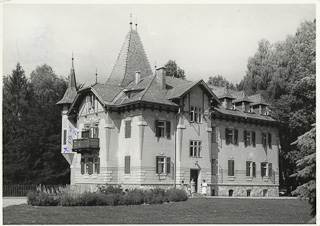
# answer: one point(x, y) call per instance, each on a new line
point(17, 97)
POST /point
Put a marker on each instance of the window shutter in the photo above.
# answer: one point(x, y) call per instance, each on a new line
point(227, 137)
point(213, 135)
point(247, 168)
point(216, 166)
point(128, 129)
point(82, 166)
point(254, 139)
point(269, 140)
point(235, 136)
point(230, 168)
point(168, 164)
point(254, 169)
point(262, 170)
point(168, 128)
point(127, 164)
point(157, 160)
point(245, 138)
point(98, 166)
point(270, 170)
point(156, 125)
point(65, 136)
point(90, 168)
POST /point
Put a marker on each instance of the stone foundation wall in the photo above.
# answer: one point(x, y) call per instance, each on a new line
point(253, 191)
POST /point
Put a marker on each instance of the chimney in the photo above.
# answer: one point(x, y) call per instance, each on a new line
point(138, 76)
point(161, 77)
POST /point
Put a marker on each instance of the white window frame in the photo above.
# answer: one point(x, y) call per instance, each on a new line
point(195, 147)
point(162, 128)
point(231, 134)
point(163, 160)
point(266, 167)
point(195, 114)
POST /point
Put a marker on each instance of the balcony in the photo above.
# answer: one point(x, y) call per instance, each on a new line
point(85, 143)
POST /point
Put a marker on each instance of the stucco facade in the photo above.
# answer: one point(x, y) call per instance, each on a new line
point(159, 131)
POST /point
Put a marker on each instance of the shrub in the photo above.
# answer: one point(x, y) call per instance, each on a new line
point(154, 196)
point(42, 199)
point(117, 189)
point(111, 196)
point(176, 195)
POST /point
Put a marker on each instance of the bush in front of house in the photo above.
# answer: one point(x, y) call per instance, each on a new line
point(176, 195)
point(108, 197)
point(42, 199)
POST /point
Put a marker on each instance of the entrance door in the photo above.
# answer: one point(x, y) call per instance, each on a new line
point(194, 175)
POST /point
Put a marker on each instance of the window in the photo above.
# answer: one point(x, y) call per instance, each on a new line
point(264, 139)
point(213, 135)
point(163, 164)
point(90, 132)
point(250, 169)
point(96, 165)
point(267, 140)
point(231, 192)
point(127, 129)
point(196, 114)
point(195, 148)
point(264, 169)
point(214, 166)
point(230, 167)
point(249, 138)
point(64, 136)
point(127, 164)
point(163, 128)
point(248, 192)
point(231, 136)
point(90, 165)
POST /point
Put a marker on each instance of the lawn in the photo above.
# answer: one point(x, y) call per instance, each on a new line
point(193, 211)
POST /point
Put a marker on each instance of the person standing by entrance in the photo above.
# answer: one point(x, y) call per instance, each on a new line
point(204, 186)
point(193, 187)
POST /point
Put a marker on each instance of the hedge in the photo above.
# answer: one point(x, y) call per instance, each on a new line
point(109, 196)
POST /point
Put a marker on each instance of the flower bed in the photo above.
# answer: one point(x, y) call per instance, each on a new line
point(107, 196)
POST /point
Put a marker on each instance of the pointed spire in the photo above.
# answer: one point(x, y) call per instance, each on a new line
point(136, 24)
point(72, 76)
point(96, 75)
point(132, 57)
point(130, 21)
point(72, 89)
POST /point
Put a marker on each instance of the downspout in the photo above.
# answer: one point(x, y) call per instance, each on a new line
point(175, 150)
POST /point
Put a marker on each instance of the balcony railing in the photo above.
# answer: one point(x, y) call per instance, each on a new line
point(85, 143)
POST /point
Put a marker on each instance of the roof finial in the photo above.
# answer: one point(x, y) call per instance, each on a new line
point(136, 24)
point(72, 60)
point(130, 21)
point(96, 75)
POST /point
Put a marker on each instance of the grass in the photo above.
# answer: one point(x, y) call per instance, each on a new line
point(193, 211)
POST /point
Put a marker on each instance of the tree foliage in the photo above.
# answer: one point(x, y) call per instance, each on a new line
point(306, 174)
point(174, 70)
point(285, 74)
point(220, 81)
point(32, 133)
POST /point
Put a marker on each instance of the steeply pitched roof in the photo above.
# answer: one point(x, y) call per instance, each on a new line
point(257, 99)
point(240, 96)
point(72, 89)
point(131, 58)
point(106, 92)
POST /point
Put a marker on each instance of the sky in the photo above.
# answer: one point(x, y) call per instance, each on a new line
point(204, 40)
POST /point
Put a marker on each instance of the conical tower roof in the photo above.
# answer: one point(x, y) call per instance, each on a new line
point(72, 89)
point(131, 58)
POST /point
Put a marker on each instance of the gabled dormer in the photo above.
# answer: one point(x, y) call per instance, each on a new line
point(242, 103)
point(258, 105)
point(226, 99)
